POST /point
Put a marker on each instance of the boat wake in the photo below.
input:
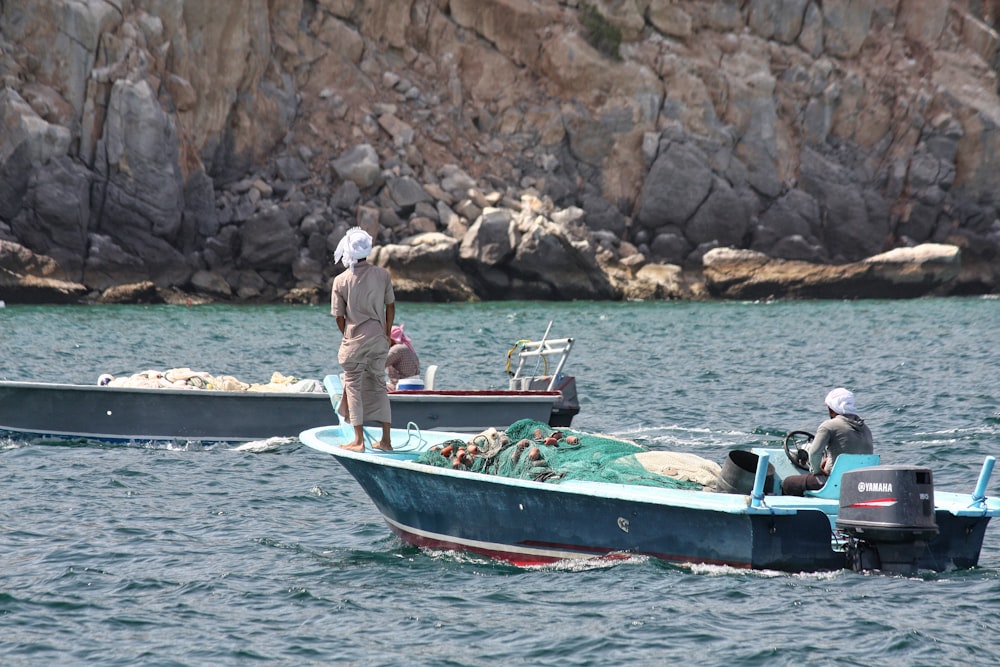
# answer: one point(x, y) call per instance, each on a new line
point(589, 564)
point(265, 446)
point(274, 444)
point(727, 571)
point(566, 565)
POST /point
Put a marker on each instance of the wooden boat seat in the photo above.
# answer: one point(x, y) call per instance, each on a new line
point(843, 463)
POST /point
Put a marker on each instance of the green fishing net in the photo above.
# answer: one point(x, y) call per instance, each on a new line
point(534, 450)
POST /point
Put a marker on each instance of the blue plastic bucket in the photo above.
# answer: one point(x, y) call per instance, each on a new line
point(410, 384)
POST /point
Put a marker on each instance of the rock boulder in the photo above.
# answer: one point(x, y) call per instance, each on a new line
point(901, 273)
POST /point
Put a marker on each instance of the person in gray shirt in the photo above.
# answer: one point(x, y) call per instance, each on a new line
point(845, 432)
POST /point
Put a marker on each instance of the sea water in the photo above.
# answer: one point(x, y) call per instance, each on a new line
point(270, 554)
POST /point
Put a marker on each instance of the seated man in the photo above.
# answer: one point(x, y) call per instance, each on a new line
point(402, 361)
point(843, 433)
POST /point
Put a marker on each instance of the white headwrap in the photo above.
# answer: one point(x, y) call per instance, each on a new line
point(841, 401)
point(356, 244)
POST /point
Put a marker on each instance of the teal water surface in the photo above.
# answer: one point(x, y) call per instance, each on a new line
point(270, 554)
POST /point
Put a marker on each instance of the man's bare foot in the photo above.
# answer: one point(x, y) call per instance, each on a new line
point(354, 447)
point(383, 446)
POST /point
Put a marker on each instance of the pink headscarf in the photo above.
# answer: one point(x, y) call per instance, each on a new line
point(397, 336)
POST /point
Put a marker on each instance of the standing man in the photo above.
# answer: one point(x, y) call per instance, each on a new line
point(364, 304)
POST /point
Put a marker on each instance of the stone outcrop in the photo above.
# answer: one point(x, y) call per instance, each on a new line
point(425, 268)
point(900, 273)
point(27, 277)
point(496, 148)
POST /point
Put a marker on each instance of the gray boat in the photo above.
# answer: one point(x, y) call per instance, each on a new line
point(125, 414)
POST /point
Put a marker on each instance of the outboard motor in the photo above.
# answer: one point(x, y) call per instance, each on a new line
point(888, 511)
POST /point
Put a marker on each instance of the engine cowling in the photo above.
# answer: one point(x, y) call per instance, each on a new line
point(890, 509)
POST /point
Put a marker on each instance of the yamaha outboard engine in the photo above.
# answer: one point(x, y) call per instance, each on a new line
point(889, 513)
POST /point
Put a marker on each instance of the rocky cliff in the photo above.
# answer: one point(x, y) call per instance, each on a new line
point(496, 148)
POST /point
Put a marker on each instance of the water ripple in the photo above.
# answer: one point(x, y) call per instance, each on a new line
point(193, 554)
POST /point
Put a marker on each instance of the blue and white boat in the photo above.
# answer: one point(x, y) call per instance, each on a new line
point(867, 517)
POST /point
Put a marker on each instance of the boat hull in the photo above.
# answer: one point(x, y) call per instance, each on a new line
point(34, 409)
point(440, 512)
